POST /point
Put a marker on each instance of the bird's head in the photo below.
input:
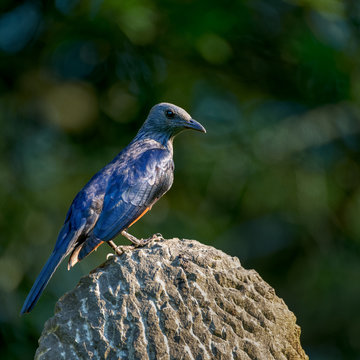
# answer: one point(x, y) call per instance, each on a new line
point(169, 119)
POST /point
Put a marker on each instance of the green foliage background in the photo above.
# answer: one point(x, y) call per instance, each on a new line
point(275, 181)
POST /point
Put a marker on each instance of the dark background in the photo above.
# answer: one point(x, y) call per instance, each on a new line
point(275, 181)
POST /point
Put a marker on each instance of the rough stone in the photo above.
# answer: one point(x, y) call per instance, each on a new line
point(173, 299)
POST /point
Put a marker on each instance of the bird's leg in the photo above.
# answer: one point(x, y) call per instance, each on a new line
point(118, 249)
point(140, 242)
point(137, 242)
point(133, 239)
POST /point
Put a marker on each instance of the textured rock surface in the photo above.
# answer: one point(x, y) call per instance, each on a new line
point(174, 299)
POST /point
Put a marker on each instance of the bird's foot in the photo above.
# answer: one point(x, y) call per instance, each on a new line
point(118, 249)
point(157, 237)
point(141, 242)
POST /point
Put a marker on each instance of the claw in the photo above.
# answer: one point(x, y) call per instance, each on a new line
point(122, 248)
point(141, 242)
point(119, 250)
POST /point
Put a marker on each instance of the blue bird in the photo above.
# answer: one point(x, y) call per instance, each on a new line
point(119, 194)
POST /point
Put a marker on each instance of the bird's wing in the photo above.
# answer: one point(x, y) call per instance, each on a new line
point(133, 190)
point(83, 212)
point(80, 219)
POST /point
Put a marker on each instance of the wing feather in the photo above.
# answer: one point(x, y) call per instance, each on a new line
point(138, 187)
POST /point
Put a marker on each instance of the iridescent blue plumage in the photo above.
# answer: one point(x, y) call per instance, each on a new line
point(120, 193)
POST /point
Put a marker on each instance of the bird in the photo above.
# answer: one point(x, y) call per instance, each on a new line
point(119, 194)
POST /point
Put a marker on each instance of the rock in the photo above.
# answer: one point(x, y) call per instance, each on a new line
point(173, 299)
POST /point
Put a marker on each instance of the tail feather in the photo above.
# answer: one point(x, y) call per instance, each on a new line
point(42, 280)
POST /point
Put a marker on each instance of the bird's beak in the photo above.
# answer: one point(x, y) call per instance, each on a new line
point(194, 125)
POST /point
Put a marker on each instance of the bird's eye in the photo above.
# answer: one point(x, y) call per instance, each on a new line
point(169, 114)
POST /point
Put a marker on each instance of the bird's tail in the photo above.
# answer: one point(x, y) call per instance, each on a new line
point(45, 275)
